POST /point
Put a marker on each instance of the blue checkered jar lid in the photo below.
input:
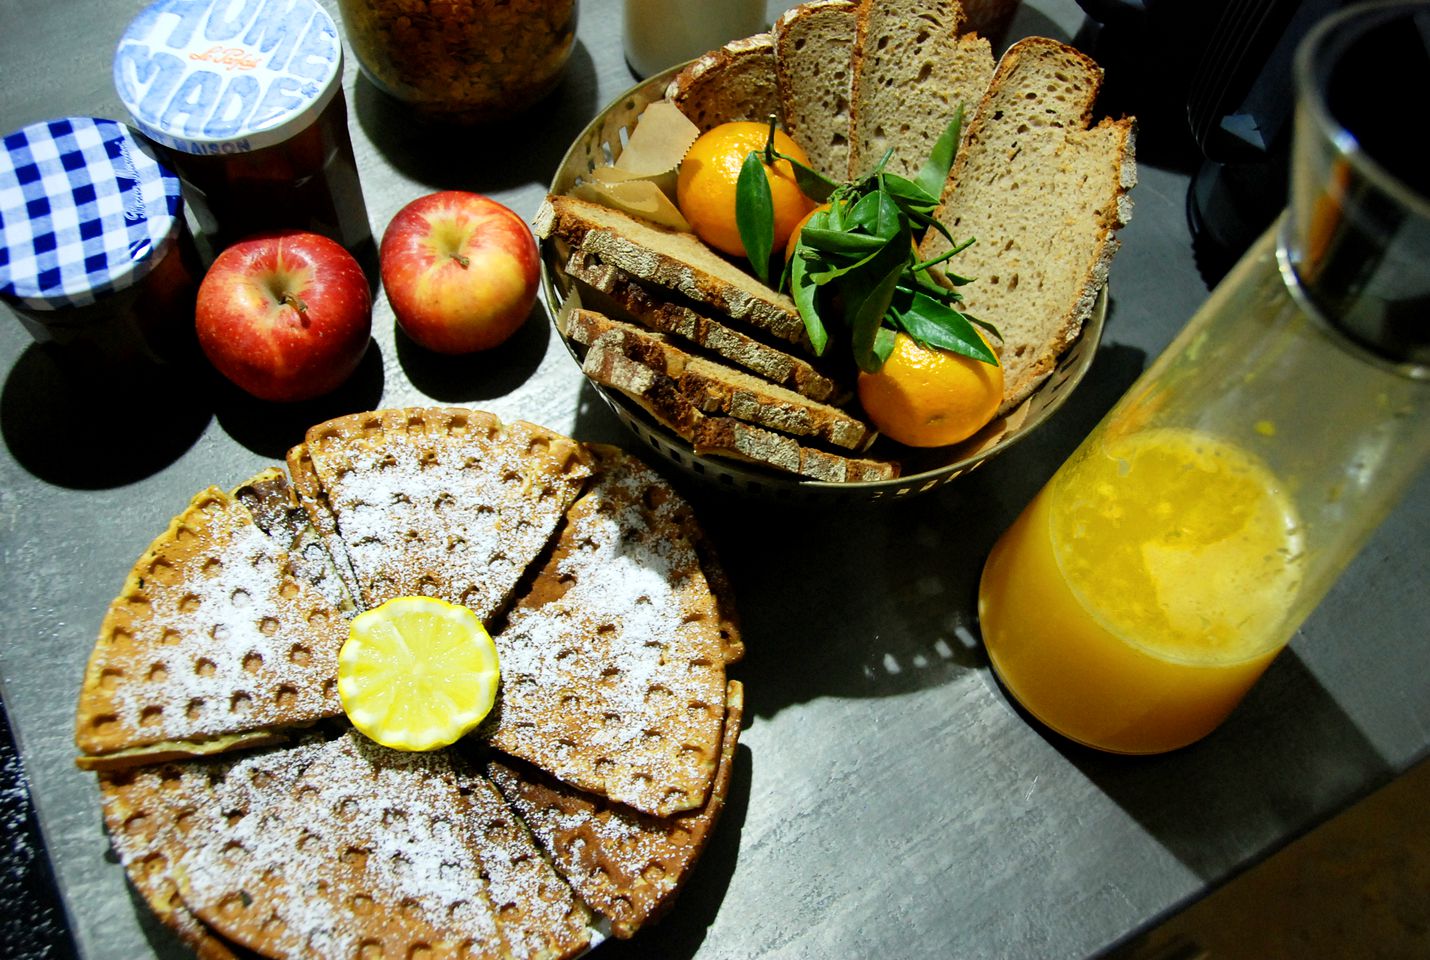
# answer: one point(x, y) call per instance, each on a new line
point(85, 210)
point(214, 77)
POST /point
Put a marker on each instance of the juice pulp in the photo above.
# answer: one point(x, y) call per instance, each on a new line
point(1143, 591)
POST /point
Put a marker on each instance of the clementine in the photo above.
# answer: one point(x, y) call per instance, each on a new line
point(925, 397)
point(705, 186)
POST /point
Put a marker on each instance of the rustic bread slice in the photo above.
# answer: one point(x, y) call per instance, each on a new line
point(606, 363)
point(914, 64)
point(814, 48)
point(1037, 266)
point(735, 82)
point(715, 388)
point(667, 314)
point(737, 440)
point(673, 261)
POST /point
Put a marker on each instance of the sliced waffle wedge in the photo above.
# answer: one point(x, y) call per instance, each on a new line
point(343, 848)
point(625, 865)
point(140, 825)
point(613, 665)
point(448, 503)
point(220, 638)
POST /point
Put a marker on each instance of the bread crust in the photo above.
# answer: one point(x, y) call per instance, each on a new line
point(735, 82)
point(1037, 269)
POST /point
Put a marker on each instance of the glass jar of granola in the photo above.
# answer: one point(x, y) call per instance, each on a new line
point(462, 61)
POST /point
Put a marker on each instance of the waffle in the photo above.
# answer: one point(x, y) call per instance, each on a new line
point(627, 866)
point(272, 827)
point(445, 502)
point(215, 642)
point(333, 847)
point(613, 670)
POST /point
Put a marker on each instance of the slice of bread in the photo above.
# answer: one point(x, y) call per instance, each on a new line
point(914, 63)
point(673, 261)
point(814, 46)
point(736, 82)
point(1043, 195)
point(606, 363)
point(715, 388)
point(665, 314)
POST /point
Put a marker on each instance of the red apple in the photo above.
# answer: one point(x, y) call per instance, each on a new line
point(286, 315)
point(460, 271)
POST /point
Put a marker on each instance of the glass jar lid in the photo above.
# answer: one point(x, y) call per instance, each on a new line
point(86, 210)
point(222, 77)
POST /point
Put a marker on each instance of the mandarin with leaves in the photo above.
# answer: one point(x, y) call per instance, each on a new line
point(706, 186)
point(927, 397)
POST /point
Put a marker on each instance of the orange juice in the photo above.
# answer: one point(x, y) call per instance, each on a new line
point(1144, 590)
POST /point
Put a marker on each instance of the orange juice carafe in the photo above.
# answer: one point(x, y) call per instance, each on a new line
point(1147, 586)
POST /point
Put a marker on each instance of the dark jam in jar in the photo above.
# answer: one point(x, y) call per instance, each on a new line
point(98, 263)
point(246, 101)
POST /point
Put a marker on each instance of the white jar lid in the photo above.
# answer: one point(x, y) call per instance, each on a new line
point(227, 76)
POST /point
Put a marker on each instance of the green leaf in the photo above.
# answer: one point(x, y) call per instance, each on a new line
point(984, 324)
point(884, 344)
point(805, 294)
point(867, 301)
point(937, 325)
point(909, 193)
point(755, 214)
point(811, 182)
point(839, 241)
point(935, 170)
point(953, 251)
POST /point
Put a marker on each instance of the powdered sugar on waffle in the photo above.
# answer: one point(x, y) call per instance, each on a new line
point(343, 841)
point(222, 639)
point(458, 516)
point(626, 865)
point(612, 673)
point(538, 911)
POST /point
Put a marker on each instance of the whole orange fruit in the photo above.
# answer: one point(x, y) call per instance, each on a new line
point(705, 187)
point(924, 397)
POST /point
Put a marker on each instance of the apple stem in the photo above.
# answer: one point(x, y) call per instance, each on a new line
point(464, 261)
point(295, 302)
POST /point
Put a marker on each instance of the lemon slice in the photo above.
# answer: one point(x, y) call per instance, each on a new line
point(417, 673)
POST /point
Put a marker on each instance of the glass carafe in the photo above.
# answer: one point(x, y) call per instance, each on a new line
point(1149, 584)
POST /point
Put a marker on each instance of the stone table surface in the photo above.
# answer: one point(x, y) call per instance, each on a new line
point(888, 800)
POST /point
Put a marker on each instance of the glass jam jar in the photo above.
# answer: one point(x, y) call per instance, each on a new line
point(97, 261)
point(246, 101)
point(462, 61)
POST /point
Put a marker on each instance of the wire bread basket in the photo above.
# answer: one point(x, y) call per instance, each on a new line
point(922, 470)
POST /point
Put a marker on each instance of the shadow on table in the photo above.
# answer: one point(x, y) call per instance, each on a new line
point(682, 931)
point(485, 158)
point(271, 429)
point(97, 429)
point(1285, 759)
point(485, 375)
point(873, 600)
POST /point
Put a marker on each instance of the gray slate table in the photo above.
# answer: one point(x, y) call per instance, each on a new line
point(888, 800)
